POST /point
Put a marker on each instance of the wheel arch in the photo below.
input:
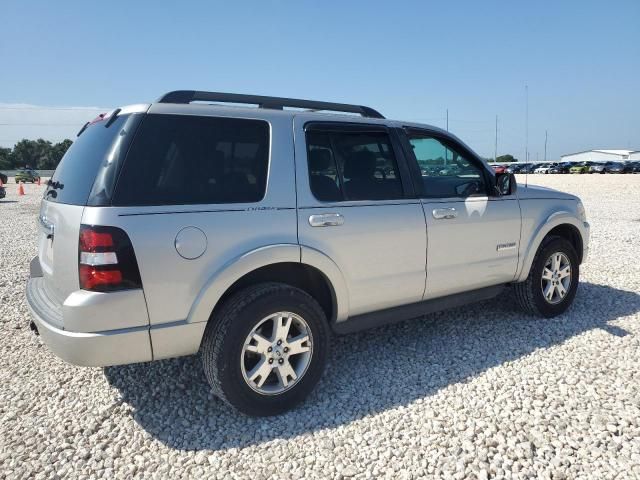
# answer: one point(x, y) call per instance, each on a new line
point(562, 224)
point(294, 265)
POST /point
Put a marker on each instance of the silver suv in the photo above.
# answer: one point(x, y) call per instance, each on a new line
point(251, 235)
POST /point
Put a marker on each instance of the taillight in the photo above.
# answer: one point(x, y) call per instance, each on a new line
point(106, 260)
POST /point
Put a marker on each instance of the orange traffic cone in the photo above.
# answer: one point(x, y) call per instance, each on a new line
point(20, 189)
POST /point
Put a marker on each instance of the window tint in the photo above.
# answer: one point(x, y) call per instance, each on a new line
point(97, 147)
point(352, 166)
point(180, 160)
point(445, 172)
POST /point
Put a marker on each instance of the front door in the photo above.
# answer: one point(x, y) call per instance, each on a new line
point(473, 237)
point(354, 206)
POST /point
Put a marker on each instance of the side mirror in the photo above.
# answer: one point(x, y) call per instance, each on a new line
point(506, 184)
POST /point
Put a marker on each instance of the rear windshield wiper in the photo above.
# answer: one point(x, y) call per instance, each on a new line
point(84, 127)
point(112, 118)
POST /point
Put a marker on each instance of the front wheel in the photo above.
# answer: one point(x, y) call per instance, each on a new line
point(553, 279)
point(266, 349)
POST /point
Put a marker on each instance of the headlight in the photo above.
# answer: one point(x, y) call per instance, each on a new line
point(581, 213)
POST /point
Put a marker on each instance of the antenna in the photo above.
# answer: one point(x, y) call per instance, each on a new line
point(447, 119)
point(545, 145)
point(495, 153)
point(526, 123)
point(526, 134)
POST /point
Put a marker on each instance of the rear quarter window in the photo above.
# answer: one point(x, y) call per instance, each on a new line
point(98, 148)
point(185, 159)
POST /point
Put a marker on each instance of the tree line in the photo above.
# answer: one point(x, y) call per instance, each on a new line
point(45, 155)
point(39, 154)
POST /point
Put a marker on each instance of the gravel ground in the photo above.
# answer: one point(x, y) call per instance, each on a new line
point(477, 392)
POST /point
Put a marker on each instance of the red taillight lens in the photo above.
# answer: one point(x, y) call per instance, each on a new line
point(91, 277)
point(92, 241)
point(106, 260)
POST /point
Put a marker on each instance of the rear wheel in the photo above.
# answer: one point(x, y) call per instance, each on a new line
point(266, 349)
point(553, 279)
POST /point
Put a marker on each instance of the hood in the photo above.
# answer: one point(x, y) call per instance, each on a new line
point(536, 192)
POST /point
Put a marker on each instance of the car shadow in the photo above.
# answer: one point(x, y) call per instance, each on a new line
point(393, 365)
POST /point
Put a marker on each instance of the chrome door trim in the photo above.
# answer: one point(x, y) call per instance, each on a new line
point(444, 213)
point(326, 220)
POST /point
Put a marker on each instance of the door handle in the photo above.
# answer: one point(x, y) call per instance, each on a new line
point(326, 220)
point(444, 213)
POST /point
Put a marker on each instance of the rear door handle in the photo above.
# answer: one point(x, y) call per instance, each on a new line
point(444, 213)
point(326, 220)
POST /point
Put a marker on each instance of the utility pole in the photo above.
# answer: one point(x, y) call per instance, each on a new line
point(545, 145)
point(526, 123)
point(495, 152)
point(447, 119)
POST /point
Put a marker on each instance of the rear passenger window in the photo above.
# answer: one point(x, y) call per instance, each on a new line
point(352, 166)
point(181, 160)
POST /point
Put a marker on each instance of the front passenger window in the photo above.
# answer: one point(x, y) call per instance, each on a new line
point(445, 172)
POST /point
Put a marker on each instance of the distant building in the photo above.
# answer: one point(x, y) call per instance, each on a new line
point(601, 156)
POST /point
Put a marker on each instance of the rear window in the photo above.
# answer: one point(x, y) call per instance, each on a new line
point(98, 146)
point(185, 159)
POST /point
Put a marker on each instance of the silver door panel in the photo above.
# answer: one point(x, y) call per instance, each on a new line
point(472, 243)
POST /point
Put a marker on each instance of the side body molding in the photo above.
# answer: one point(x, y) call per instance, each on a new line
point(552, 220)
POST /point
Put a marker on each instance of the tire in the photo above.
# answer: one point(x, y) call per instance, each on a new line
point(224, 348)
point(529, 294)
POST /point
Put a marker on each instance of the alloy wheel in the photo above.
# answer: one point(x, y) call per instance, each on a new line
point(556, 278)
point(276, 353)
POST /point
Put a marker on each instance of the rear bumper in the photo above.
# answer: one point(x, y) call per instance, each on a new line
point(101, 348)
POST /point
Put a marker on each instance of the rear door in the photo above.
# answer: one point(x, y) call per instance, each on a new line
point(98, 147)
point(473, 237)
point(356, 206)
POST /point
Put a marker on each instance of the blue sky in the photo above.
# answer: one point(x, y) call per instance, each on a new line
point(410, 60)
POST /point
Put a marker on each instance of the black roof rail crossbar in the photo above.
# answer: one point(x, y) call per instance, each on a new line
point(275, 103)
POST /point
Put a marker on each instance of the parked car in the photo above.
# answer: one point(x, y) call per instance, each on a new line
point(27, 175)
point(581, 167)
point(499, 168)
point(4, 178)
point(599, 167)
point(3, 192)
point(528, 168)
point(618, 167)
point(564, 167)
point(634, 166)
point(548, 168)
point(253, 261)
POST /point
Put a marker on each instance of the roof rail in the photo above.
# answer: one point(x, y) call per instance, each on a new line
point(275, 103)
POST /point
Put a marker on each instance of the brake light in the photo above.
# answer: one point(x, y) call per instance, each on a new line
point(106, 260)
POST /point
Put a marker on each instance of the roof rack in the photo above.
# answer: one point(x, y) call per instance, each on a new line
point(275, 103)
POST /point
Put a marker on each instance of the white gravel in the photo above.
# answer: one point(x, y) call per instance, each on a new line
point(478, 392)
